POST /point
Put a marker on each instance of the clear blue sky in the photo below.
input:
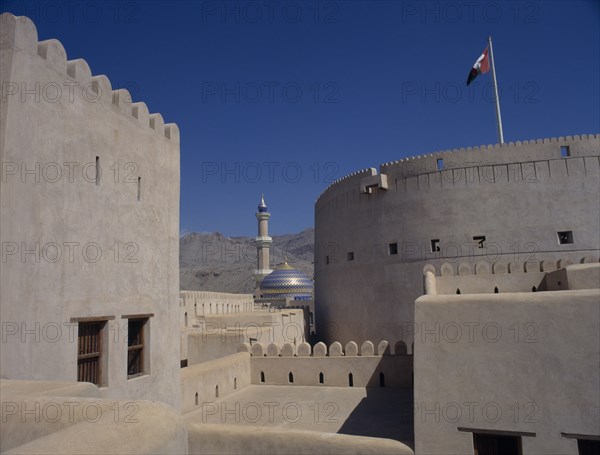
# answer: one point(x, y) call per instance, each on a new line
point(282, 97)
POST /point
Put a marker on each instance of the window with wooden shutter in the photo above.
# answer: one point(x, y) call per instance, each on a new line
point(135, 347)
point(89, 352)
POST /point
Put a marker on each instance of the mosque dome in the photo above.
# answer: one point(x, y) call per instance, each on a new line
point(287, 282)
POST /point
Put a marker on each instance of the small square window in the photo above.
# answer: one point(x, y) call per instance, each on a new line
point(565, 151)
point(479, 241)
point(350, 256)
point(392, 248)
point(435, 245)
point(565, 237)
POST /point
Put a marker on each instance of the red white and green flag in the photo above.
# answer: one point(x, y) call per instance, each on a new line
point(481, 66)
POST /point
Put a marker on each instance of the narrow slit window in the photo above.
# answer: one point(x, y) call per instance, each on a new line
point(321, 378)
point(565, 237)
point(262, 376)
point(392, 248)
point(98, 172)
point(291, 378)
point(381, 379)
point(479, 241)
point(439, 164)
point(350, 380)
point(435, 245)
point(139, 189)
point(565, 151)
point(326, 259)
point(350, 256)
point(196, 399)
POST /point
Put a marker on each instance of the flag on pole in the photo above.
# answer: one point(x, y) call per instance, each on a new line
point(481, 66)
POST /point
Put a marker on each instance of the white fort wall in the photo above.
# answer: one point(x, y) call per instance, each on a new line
point(518, 195)
point(213, 324)
point(302, 365)
point(79, 243)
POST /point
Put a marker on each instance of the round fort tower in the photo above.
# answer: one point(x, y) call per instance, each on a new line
point(511, 206)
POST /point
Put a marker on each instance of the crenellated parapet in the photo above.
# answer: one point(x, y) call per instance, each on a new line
point(320, 349)
point(488, 268)
point(519, 161)
point(71, 80)
point(501, 277)
point(501, 151)
point(358, 175)
point(352, 365)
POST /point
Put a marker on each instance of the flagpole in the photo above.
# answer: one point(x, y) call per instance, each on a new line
point(498, 115)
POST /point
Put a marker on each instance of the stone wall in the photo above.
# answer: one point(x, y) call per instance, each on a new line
point(336, 367)
point(525, 364)
point(209, 381)
point(496, 277)
point(216, 336)
point(195, 304)
point(50, 417)
point(209, 439)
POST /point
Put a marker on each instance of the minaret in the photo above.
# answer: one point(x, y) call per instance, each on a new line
point(263, 243)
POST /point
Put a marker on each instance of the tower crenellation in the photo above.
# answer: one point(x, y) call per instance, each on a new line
point(73, 78)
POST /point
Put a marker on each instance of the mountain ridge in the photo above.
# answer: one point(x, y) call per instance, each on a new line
point(215, 262)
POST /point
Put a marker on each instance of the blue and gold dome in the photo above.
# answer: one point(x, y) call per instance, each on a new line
point(286, 282)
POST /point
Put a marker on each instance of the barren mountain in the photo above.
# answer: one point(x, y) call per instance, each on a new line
point(213, 262)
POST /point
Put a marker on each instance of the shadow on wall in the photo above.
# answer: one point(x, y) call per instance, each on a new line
point(393, 408)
